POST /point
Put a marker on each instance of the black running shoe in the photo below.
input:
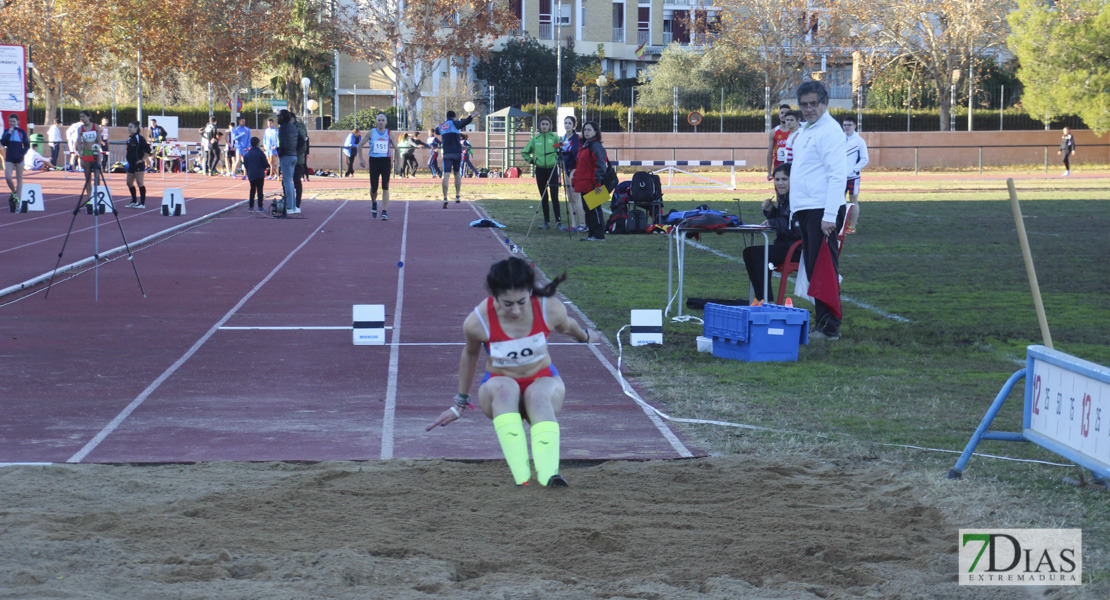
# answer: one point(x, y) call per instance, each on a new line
point(557, 481)
point(445, 203)
point(373, 209)
point(457, 200)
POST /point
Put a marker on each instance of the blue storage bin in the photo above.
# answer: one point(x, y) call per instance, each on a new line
point(756, 333)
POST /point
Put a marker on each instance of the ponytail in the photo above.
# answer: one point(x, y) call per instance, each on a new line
point(515, 274)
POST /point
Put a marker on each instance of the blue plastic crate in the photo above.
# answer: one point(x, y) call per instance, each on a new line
point(756, 333)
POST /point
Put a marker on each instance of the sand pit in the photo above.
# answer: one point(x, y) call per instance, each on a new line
point(724, 527)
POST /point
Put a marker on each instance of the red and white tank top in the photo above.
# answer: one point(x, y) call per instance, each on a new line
point(782, 153)
point(516, 352)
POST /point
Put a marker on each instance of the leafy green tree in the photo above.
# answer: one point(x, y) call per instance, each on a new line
point(678, 67)
point(1064, 51)
point(526, 63)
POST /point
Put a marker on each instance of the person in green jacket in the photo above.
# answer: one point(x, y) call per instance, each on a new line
point(542, 153)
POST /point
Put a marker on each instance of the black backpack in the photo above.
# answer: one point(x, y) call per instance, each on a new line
point(637, 221)
point(646, 188)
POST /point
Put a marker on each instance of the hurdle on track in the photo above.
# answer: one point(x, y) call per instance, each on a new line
point(670, 166)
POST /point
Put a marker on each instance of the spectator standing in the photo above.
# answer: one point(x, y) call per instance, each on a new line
point(104, 148)
point(403, 145)
point(137, 151)
point(16, 144)
point(433, 159)
point(302, 160)
point(87, 138)
point(270, 147)
point(73, 135)
point(569, 149)
point(772, 143)
point(208, 137)
point(350, 150)
point(541, 152)
point(241, 139)
point(381, 156)
point(784, 138)
point(54, 136)
point(449, 132)
point(590, 173)
point(857, 159)
point(255, 163)
point(468, 151)
point(817, 180)
point(289, 139)
point(229, 151)
point(1067, 148)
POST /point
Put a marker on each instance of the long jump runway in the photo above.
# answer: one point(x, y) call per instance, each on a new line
point(242, 349)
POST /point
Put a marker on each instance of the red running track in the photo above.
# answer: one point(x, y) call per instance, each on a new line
point(212, 365)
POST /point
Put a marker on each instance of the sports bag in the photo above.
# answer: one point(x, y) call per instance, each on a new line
point(645, 188)
point(637, 221)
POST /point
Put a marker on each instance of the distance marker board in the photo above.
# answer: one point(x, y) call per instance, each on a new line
point(1066, 410)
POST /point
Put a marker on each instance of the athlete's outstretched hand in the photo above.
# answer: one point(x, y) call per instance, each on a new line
point(445, 417)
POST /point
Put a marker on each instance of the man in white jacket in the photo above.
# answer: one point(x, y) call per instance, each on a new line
point(857, 160)
point(817, 181)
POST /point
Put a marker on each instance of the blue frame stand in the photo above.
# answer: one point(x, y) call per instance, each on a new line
point(1066, 411)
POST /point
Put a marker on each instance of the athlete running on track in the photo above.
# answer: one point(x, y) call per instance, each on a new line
point(381, 163)
point(521, 382)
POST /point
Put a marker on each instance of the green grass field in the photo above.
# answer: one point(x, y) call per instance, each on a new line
point(942, 254)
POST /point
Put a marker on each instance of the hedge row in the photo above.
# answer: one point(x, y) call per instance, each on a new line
point(614, 117)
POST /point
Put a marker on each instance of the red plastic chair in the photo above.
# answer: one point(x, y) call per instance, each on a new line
point(791, 266)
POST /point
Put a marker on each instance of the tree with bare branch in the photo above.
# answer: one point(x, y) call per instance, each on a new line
point(230, 40)
point(407, 40)
point(783, 40)
point(66, 39)
point(941, 36)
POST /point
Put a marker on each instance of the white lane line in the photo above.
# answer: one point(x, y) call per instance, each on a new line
point(126, 217)
point(388, 417)
point(664, 430)
point(150, 389)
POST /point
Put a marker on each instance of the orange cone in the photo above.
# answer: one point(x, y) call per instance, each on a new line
point(789, 303)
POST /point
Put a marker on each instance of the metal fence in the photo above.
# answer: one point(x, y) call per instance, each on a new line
point(624, 107)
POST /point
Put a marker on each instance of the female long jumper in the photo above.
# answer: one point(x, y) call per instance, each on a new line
point(521, 382)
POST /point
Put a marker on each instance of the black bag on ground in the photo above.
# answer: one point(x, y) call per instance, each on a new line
point(637, 221)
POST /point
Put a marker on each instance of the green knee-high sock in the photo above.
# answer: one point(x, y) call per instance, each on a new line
point(545, 449)
point(510, 432)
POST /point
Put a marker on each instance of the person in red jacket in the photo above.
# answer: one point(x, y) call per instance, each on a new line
point(589, 174)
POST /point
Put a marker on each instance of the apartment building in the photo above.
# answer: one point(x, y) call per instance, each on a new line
point(623, 26)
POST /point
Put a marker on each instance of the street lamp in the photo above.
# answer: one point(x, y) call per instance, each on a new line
point(305, 81)
point(602, 81)
point(312, 105)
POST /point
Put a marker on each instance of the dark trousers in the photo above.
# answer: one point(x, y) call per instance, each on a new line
point(411, 165)
point(1067, 161)
point(54, 151)
point(595, 221)
point(297, 174)
point(350, 166)
point(758, 272)
point(547, 178)
point(256, 188)
point(809, 222)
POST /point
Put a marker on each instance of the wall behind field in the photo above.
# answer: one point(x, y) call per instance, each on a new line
point(888, 150)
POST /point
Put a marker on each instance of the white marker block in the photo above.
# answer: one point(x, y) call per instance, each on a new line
point(31, 200)
point(173, 202)
point(369, 324)
point(101, 197)
point(647, 327)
